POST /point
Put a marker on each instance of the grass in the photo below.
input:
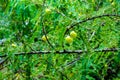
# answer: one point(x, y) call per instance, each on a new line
point(23, 23)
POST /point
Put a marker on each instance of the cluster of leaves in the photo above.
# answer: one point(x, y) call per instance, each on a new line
point(43, 25)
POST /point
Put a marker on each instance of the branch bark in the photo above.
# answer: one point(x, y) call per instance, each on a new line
point(64, 52)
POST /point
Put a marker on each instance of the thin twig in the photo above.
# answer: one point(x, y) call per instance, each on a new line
point(44, 31)
point(88, 19)
point(3, 61)
point(92, 18)
point(43, 27)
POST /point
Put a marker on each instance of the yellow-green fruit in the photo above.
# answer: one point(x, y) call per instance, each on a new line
point(48, 11)
point(73, 34)
point(13, 45)
point(44, 38)
point(93, 1)
point(110, 0)
point(70, 13)
point(113, 3)
point(68, 39)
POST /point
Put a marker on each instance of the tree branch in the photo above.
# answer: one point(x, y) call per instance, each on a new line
point(64, 52)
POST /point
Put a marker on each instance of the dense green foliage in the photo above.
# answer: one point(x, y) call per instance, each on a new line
point(25, 25)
